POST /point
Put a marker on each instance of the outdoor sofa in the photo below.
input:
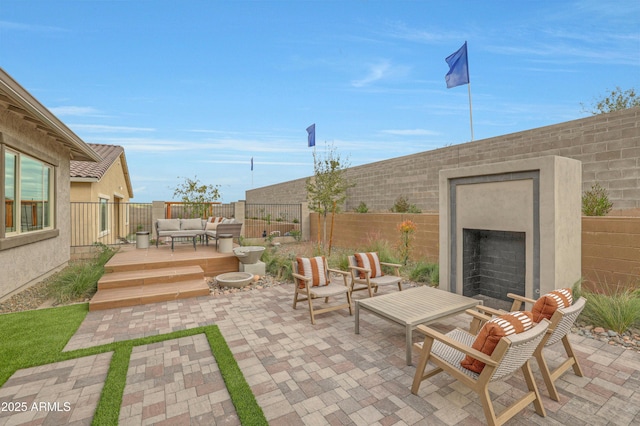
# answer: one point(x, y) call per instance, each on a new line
point(198, 228)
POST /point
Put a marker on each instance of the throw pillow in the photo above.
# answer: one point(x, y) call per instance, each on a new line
point(546, 306)
point(313, 268)
point(494, 330)
point(211, 226)
point(369, 261)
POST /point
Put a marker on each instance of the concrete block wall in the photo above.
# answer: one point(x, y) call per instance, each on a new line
point(608, 145)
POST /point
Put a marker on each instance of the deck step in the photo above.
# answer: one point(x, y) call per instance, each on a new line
point(149, 277)
point(142, 294)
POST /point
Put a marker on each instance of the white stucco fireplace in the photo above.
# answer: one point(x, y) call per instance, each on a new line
point(511, 227)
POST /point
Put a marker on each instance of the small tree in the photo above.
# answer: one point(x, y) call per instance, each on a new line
point(595, 202)
point(327, 188)
point(196, 195)
point(615, 100)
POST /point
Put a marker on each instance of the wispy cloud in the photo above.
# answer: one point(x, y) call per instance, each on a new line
point(382, 70)
point(19, 26)
point(261, 163)
point(410, 132)
point(101, 128)
point(399, 30)
point(63, 111)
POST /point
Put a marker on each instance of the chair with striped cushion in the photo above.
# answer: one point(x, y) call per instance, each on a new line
point(557, 307)
point(367, 274)
point(314, 280)
point(512, 353)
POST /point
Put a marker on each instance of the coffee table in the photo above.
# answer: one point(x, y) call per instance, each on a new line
point(193, 236)
point(420, 305)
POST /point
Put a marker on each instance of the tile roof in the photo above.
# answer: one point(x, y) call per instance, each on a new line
point(88, 169)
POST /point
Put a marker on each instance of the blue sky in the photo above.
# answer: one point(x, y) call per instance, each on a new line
point(197, 88)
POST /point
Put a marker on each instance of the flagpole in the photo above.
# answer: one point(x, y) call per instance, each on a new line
point(470, 111)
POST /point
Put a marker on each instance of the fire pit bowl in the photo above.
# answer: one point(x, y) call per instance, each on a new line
point(248, 255)
point(234, 279)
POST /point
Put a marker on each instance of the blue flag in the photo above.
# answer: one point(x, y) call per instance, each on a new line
point(458, 68)
point(251, 163)
point(311, 137)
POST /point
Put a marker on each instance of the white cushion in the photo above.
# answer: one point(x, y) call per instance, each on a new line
point(191, 224)
point(168, 224)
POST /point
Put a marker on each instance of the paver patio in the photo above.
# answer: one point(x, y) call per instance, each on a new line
point(303, 374)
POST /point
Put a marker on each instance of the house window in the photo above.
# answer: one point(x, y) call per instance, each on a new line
point(104, 216)
point(28, 193)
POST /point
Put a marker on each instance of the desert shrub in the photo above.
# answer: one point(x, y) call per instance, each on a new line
point(80, 279)
point(425, 272)
point(616, 308)
point(595, 202)
point(278, 264)
point(362, 208)
point(402, 205)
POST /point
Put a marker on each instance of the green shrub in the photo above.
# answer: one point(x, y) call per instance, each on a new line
point(80, 279)
point(402, 205)
point(362, 208)
point(277, 264)
point(595, 202)
point(615, 308)
point(426, 273)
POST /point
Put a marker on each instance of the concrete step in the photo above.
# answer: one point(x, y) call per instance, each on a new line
point(141, 294)
point(149, 277)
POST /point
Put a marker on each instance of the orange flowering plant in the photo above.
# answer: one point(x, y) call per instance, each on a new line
point(406, 228)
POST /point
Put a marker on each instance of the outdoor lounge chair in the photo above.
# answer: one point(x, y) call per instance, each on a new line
point(368, 275)
point(313, 279)
point(446, 351)
point(561, 322)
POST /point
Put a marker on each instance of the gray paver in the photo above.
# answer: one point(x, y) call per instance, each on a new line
point(303, 374)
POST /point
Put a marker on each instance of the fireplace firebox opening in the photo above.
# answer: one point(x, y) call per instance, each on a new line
point(494, 263)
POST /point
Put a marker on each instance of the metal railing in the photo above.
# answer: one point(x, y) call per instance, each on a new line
point(108, 223)
point(117, 223)
point(263, 220)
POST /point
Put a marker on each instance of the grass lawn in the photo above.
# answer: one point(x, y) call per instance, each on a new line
point(33, 338)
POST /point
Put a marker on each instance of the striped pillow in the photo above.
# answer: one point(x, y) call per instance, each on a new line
point(369, 261)
point(546, 306)
point(494, 330)
point(314, 268)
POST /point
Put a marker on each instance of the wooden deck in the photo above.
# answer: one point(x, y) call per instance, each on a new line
point(139, 276)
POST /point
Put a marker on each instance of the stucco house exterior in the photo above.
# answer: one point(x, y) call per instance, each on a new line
point(36, 149)
point(100, 194)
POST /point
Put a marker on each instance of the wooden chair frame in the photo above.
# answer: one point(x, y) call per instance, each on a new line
point(372, 284)
point(332, 289)
point(511, 353)
point(560, 325)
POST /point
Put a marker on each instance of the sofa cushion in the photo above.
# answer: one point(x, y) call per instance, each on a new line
point(547, 305)
point(168, 225)
point(191, 224)
point(211, 226)
point(494, 330)
point(369, 261)
point(313, 268)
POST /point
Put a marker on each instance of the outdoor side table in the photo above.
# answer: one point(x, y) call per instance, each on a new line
point(225, 243)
